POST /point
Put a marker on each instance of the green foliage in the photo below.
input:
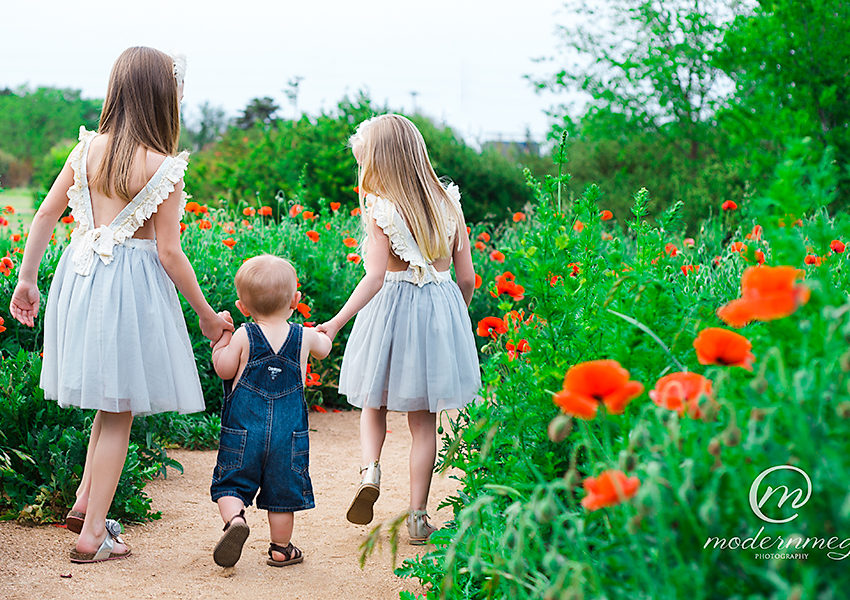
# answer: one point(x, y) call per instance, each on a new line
point(519, 529)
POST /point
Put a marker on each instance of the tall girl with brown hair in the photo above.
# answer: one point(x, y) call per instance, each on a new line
point(114, 335)
point(411, 348)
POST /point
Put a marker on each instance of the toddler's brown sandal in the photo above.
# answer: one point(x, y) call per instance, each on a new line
point(229, 547)
point(293, 555)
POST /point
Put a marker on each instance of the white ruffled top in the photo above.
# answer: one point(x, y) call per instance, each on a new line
point(420, 271)
point(90, 242)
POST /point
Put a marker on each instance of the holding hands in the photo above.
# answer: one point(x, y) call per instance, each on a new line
point(216, 325)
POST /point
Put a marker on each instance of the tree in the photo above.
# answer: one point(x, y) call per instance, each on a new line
point(259, 110)
point(210, 125)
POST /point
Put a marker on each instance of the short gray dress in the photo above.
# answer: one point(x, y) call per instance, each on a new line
point(411, 347)
point(114, 334)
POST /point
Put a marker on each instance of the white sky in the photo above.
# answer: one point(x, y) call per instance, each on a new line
point(465, 58)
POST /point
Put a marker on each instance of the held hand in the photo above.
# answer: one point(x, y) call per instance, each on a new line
point(329, 328)
point(225, 314)
point(214, 326)
point(24, 304)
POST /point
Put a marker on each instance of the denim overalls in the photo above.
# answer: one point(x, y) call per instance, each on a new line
point(264, 441)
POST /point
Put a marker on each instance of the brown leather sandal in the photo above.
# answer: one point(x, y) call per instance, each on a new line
point(293, 555)
point(229, 547)
point(74, 520)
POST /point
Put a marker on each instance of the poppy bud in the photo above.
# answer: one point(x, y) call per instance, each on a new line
point(628, 460)
point(571, 478)
point(758, 414)
point(732, 436)
point(560, 427)
point(843, 409)
point(709, 511)
point(545, 509)
point(759, 384)
point(714, 447)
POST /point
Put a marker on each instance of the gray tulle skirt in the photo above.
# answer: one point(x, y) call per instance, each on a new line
point(411, 348)
point(116, 339)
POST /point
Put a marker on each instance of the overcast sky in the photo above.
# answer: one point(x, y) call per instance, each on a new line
point(465, 59)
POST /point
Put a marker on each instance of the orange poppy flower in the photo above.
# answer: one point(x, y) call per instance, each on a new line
point(193, 207)
point(589, 383)
point(477, 281)
point(295, 210)
point(738, 247)
point(690, 269)
point(9, 210)
point(680, 392)
point(2, 322)
point(767, 293)
point(480, 246)
point(519, 216)
point(313, 235)
point(578, 226)
point(497, 256)
point(355, 258)
point(304, 310)
point(759, 257)
point(574, 268)
point(506, 284)
point(355, 211)
point(312, 379)
point(608, 489)
point(6, 266)
point(837, 246)
point(812, 259)
point(265, 211)
point(249, 212)
point(484, 236)
point(335, 206)
point(229, 242)
point(356, 189)
point(755, 234)
point(350, 242)
point(67, 220)
point(16, 237)
point(729, 205)
point(606, 215)
point(515, 349)
point(554, 279)
point(328, 226)
point(204, 224)
point(491, 327)
point(716, 346)
point(182, 227)
point(671, 249)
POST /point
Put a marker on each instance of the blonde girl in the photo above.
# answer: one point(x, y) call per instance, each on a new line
point(411, 348)
point(114, 335)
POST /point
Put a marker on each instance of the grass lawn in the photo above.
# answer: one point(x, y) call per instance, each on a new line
point(21, 200)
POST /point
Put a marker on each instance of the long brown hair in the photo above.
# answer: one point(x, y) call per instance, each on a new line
point(141, 109)
point(394, 164)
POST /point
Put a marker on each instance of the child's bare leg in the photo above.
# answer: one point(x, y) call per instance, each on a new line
point(229, 507)
point(82, 501)
point(107, 461)
point(280, 531)
point(373, 432)
point(423, 453)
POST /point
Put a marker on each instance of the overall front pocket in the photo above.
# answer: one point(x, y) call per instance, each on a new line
point(300, 451)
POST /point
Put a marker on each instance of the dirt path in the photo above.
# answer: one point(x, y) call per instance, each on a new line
point(172, 557)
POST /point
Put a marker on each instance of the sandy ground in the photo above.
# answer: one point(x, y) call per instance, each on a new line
point(172, 557)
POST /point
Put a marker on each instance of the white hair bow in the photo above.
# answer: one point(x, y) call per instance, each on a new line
point(179, 66)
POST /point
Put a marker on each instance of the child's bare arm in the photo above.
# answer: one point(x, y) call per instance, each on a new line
point(318, 342)
point(228, 353)
point(464, 269)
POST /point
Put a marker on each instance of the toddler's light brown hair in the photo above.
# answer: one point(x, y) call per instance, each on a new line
point(266, 284)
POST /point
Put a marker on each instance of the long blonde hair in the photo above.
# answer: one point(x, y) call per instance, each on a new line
point(394, 164)
point(141, 109)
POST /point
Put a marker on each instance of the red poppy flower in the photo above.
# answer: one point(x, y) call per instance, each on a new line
point(606, 215)
point(229, 242)
point(309, 382)
point(515, 349)
point(2, 322)
point(767, 293)
point(335, 206)
point(505, 284)
point(680, 392)
point(477, 281)
point(578, 226)
point(356, 189)
point(812, 259)
point(313, 235)
point(608, 489)
point(6, 266)
point(468, 230)
point(607, 236)
point(265, 211)
point(729, 205)
point(755, 234)
point(497, 256)
point(308, 215)
point(9, 210)
point(837, 246)
point(328, 226)
point(689, 269)
point(716, 346)
point(759, 257)
point(295, 210)
point(249, 212)
point(304, 310)
point(480, 246)
point(575, 270)
point(205, 209)
point(355, 258)
point(738, 247)
point(16, 237)
point(484, 236)
point(355, 211)
point(193, 207)
point(671, 249)
point(204, 224)
point(67, 220)
point(182, 227)
point(553, 279)
point(688, 242)
point(491, 327)
point(589, 383)
point(519, 216)
point(350, 242)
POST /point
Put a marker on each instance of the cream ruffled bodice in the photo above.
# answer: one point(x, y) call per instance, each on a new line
point(419, 271)
point(90, 242)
